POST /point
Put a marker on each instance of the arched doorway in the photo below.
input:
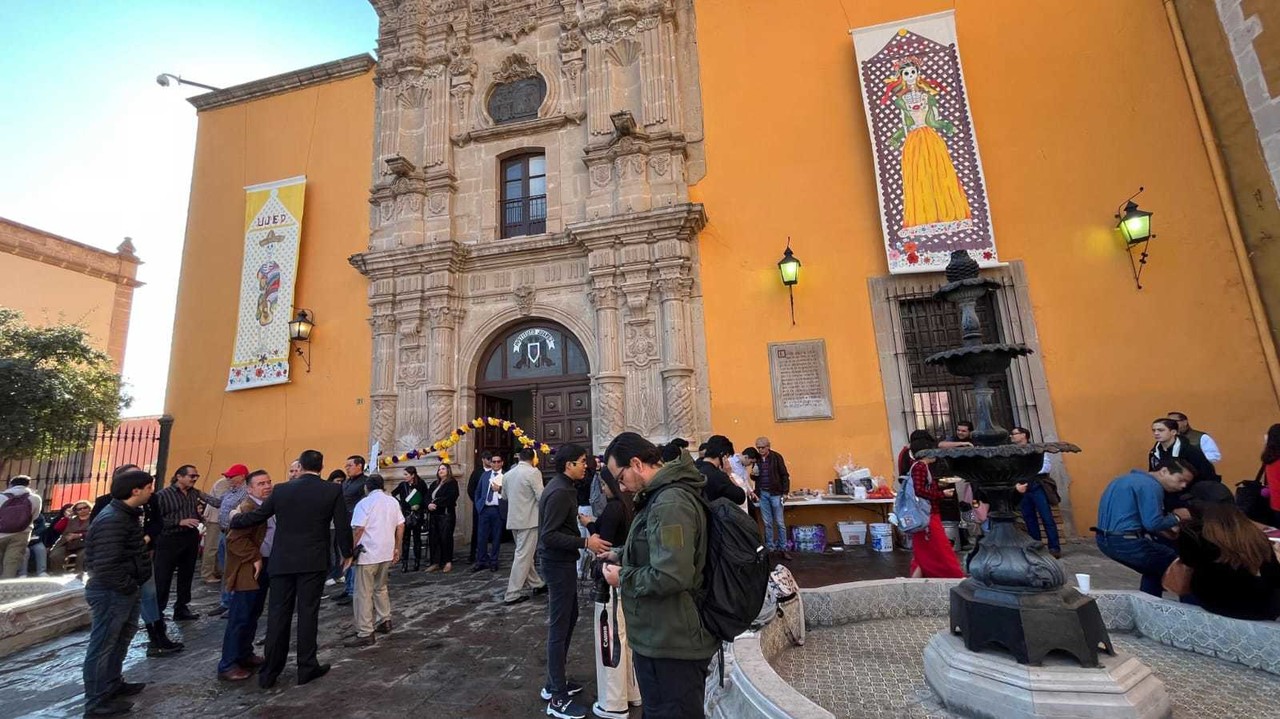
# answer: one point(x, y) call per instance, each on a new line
point(535, 374)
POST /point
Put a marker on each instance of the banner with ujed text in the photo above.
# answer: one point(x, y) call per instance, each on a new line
point(933, 198)
point(272, 234)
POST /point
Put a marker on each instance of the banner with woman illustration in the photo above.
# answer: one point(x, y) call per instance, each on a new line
point(933, 198)
point(272, 233)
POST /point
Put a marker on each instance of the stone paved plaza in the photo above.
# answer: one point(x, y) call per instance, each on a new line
point(886, 657)
point(456, 652)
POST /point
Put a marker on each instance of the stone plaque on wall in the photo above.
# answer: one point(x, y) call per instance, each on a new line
point(799, 381)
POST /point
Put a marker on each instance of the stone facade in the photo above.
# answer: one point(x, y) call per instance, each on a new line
point(620, 127)
point(1242, 29)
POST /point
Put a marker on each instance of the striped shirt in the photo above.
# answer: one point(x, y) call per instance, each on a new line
point(176, 505)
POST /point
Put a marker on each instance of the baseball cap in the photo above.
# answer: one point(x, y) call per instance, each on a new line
point(236, 470)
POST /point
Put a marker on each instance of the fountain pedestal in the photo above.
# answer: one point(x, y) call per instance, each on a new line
point(1015, 597)
point(994, 685)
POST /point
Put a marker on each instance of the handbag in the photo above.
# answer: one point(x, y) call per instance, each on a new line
point(912, 513)
point(1051, 490)
point(1177, 578)
point(1250, 500)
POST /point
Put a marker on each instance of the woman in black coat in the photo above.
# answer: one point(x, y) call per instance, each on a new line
point(412, 495)
point(442, 503)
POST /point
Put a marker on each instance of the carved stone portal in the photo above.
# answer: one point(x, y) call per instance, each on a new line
point(607, 91)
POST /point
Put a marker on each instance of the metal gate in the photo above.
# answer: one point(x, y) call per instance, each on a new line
point(86, 473)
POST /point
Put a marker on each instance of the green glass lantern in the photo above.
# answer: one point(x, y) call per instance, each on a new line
point(789, 267)
point(1135, 224)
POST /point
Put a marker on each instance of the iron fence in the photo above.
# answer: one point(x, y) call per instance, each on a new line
point(85, 473)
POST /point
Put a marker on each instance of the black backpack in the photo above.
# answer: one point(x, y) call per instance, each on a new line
point(735, 575)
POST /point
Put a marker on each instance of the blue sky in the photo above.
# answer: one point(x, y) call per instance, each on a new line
point(93, 149)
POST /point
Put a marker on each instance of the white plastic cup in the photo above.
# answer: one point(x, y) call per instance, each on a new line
point(1082, 581)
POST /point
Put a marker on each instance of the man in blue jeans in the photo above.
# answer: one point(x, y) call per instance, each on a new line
point(1131, 515)
point(118, 564)
point(773, 481)
point(237, 492)
point(246, 576)
point(353, 490)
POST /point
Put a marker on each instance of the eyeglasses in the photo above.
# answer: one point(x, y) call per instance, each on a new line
point(193, 476)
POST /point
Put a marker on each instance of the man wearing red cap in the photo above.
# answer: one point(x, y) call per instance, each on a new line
point(237, 493)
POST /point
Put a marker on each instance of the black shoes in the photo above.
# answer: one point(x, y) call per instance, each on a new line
point(342, 601)
point(517, 600)
point(110, 708)
point(359, 641)
point(128, 689)
point(539, 590)
point(186, 615)
point(566, 707)
point(476, 567)
point(383, 628)
point(320, 671)
point(159, 644)
point(572, 688)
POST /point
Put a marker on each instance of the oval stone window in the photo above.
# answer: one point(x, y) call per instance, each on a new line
point(517, 100)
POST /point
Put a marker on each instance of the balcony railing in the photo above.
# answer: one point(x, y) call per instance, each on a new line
point(524, 216)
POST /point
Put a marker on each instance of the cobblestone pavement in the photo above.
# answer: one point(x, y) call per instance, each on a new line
point(885, 657)
point(456, 652)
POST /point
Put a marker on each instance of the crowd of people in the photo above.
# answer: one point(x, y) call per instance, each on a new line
point(274, 547)
point(1185, 532)
point(634, 519)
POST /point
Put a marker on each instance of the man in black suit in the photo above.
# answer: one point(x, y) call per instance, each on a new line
point(476, 474)
point(487, 500)
point(303, 508)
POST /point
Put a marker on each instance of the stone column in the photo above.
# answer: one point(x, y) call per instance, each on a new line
point(443, 317)
point(677, 370)
point(656, 72)
point(382, 392)
point(411, 417)
point(610, 382)
point(598, 90)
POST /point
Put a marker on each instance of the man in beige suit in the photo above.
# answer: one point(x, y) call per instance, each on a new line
point(522, 487)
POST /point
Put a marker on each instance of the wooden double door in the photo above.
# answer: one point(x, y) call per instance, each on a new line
point(552, 413)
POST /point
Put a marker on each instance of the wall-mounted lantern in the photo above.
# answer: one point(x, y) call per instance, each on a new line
point(789, 268)
point(1135, 226)
point(300, 332)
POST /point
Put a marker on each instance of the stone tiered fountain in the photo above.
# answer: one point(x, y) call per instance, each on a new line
point(1016, 597)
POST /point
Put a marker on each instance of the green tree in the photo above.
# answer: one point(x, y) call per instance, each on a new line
point(54, 387)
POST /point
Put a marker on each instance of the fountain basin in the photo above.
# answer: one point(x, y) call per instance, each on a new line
point(35, 610)
point(864, 635)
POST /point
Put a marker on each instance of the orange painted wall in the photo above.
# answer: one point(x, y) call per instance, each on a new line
point(1075, 105)
point(48, 295)
point(323, 132)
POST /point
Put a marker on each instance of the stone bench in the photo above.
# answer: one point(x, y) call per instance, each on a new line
point(754, 689)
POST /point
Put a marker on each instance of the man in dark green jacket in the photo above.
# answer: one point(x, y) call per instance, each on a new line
point(660, 573)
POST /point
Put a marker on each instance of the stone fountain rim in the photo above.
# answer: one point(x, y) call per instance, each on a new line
point(757, 690)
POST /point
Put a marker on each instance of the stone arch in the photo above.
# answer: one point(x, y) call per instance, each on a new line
point(484, 335)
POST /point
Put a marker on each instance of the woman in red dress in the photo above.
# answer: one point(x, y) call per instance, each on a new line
point(932, 555)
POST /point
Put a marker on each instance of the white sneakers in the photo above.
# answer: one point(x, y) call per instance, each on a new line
point(606, 714)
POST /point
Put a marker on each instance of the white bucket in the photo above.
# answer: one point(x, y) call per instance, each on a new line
point(881, 537)
point(853, 532)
